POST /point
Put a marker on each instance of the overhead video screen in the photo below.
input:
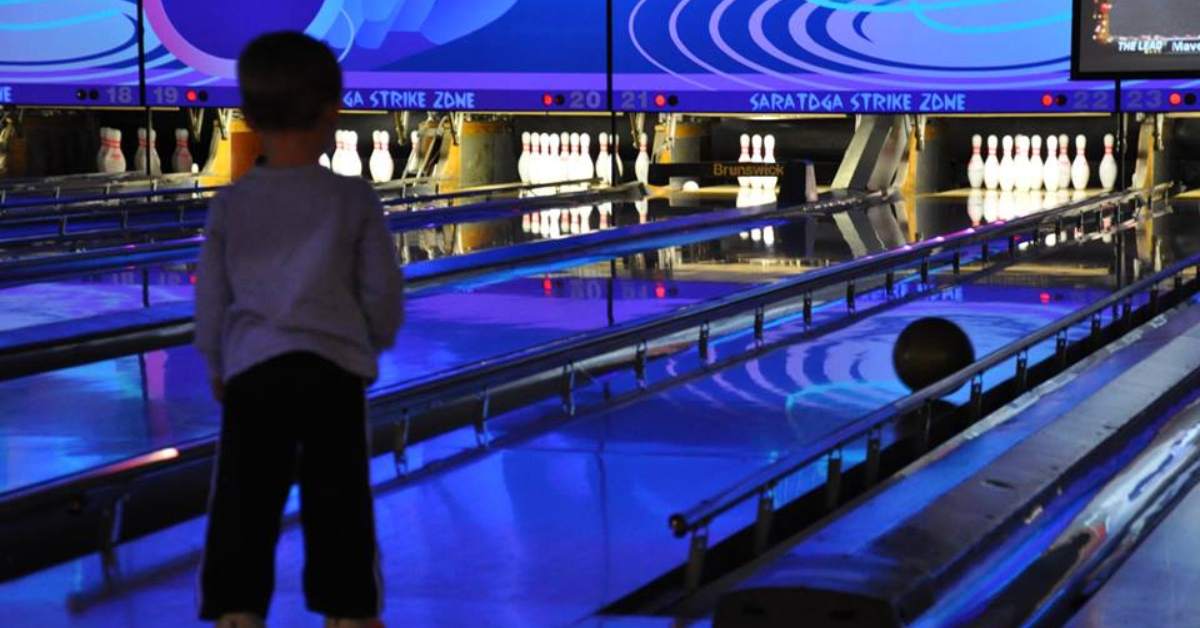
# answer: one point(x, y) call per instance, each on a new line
point(396, 54)
point(1137, 38)
point(857, 56)
point(62, 52)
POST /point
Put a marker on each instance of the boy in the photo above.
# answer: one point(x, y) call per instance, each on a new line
point(298, 292)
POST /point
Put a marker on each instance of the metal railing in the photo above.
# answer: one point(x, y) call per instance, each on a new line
point(869, 428)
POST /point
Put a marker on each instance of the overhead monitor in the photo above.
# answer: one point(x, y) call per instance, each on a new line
point(69, 52)
point(508, 55)
point(1136, 39)
point(848, 56)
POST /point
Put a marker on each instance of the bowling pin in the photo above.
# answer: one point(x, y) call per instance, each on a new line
point(1007, 174)
point(152, 151)
point(382, 166)
point(1021, 165)
point(553, 167)
point(641, 167)
point(354, 164)
point(991, 167)
point(604, 162)
point(112, 144)
point(566, 160)
point(324, 162)
point(564, 156)
point(1064, 162)
point(541, 165)
point(146, 152)
point(139, 157)
point(756, 146)
point(1036, 164)
point(181, 160)
point(1081, 172)
point(114, 159)
point(102, 154)
point(523, 161)
point(975, 166)
point(534, 165)
point(744, 182)
point(573, 157)
point(1050, 168)
point(769, 183)
point(1108, 165)
point(587, 168)
point(339, 152)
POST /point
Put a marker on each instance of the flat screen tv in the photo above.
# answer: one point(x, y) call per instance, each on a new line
point(1136, 39)
point(492, 55)
point(69, 52)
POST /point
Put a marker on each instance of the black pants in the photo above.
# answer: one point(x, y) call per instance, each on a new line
point(294, 415)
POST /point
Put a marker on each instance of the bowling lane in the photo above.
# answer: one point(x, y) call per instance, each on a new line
point(106, 293)
point(73, 419)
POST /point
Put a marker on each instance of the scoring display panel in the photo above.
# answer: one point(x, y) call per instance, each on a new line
point(857, 56)
point(396, 54)
point(1159, 96)
point(69, 52)
point(1137, 38)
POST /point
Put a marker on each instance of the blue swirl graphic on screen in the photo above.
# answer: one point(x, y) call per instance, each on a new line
point(69, 41)
point(367, 34)
point(845, 44)
point(389, 44)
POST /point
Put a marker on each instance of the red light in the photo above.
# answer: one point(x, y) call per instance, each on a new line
point(192, 96)
point(660, 100)
point(1176, 99)
point(1047, 100)
point(660, 291)
point(192, 279)
point(548, 100)
point(547, 286)
point(1044, 298)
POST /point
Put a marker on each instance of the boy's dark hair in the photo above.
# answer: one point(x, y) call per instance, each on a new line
point(288, 80)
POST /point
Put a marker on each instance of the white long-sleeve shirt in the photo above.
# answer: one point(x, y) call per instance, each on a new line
point(297, 259)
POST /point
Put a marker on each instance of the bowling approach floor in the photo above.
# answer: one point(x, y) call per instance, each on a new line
point(548, 530)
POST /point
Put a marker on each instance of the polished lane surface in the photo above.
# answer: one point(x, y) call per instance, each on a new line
point(106, 293)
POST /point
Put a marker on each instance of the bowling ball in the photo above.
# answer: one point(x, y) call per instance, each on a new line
point(929, 350)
